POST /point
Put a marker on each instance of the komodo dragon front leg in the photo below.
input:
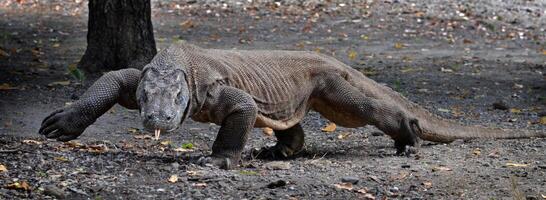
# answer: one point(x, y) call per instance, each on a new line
point(114, 87)
point(236, 111)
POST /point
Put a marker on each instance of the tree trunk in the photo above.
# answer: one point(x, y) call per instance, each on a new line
point(120, 35)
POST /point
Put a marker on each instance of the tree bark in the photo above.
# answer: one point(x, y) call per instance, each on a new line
point(120, 35)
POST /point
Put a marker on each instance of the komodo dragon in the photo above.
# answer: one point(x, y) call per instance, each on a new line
point(240, 90)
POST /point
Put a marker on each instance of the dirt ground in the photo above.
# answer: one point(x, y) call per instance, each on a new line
point(456, 58)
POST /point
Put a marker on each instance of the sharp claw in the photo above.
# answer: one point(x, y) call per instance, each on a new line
point(53, 134)
point(157, 132)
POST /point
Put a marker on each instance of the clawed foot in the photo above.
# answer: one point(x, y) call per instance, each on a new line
point(277, 152)
point(64, 124)
point(222, 163)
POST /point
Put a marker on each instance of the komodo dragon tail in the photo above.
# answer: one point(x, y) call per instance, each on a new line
point(437, 129)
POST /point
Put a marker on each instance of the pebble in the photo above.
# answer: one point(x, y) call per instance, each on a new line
point(54, 191)
point(542, 166)
point(405, 166)
point(394, 189)
point(175, 165)
point(500, 105)
point(276, 184)
point(350, 179)
point(278, 165)
point(377, 133)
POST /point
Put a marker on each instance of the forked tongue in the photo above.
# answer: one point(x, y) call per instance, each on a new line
point(157, 132)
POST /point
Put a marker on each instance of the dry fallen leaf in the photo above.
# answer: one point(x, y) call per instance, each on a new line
point(343, 135)
point(544, 53)
point(368, 196)
point(515, 110)
point(201, 185)
point(173, 178)
point(344, 186)
point(187, 24)
point(267, 131)
point(165, 142)
point(194, 173)
point(398, 45)
point(61, 83)
point(362, 191)
point(477, 151)
point(23, 185)
point(3, 53)
point(543, 120)
point(182, 149)
point(440, 168)
point(31, 142)
point(133, 130)
point(516, 165)
point(143, 137)
point(427, 184)
point(7, 86)
point(331, 127)
point(352, 55)
point(97, 148)
point(60, 158)
point(3, 168)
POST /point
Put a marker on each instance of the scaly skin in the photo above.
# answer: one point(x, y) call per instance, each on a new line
point(240, 90)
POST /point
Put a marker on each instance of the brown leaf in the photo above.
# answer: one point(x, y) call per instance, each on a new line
point(399, 45)
point(143, 137)
point(133, 130)
point(440, 168)
point(427, 184)
point(7, 86)
point(344, 186)
point(543, 120)
point(352, 55)
point(400, 176)
point(23, 185)
point(187, 24)
point(3, 53)
point(3, 168)
point(331, 127)
point(60, 158)
point(165, 142)
point(200, 185)
point(343, 135)
point(173, 178)
point(60, 83)
point(362, 191)
point(97, 148)
point(267, 131)
point(477, 151)
point(31, 142)
point(516, 165)
point(515, 110)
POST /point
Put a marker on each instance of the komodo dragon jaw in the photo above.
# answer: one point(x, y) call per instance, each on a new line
point(163, 98)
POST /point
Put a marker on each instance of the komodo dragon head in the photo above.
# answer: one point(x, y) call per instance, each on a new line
point(163, 96)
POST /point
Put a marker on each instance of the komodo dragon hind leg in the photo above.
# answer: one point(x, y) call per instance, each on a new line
point(289, 143)
point(237, 112)
point(342, 103)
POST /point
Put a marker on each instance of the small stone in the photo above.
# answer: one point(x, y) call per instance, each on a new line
point(405, 166)
point(377, 133)
point(175, 165)
point(278, 165)
point(500, 105)
point(394, 189)
point(350, 179)
point(276, 184)
point(54, 191)
point(542, 166)
point(530, 197)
